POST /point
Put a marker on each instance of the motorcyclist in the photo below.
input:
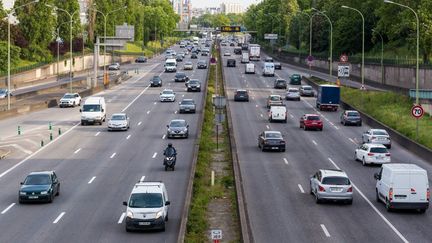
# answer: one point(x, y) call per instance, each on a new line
point(170, 150)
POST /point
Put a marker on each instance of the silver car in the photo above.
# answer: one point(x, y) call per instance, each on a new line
point(4, 93)
point(114, 66)
point(118, 121)
point(332, 185)
point(178, 128)
point(306, 90)
point(292, 94)
point(187, 105)
point(378, 136)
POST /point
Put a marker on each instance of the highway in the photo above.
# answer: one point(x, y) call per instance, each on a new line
point(276, 185)
point(97, 169)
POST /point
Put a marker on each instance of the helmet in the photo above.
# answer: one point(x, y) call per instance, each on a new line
point(170, 145)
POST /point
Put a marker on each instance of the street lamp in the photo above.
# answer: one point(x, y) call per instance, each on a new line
point(363, 41)
point(382, 55)
point(9, 14)
point(58, 40)
point(55, 8)
point(331, 40)
point(105, 16)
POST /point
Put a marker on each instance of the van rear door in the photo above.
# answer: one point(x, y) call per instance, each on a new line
point(419, 184)
point(401, 187)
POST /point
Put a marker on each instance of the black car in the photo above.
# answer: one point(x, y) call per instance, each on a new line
point(351, 117)
point(232, 44)
point(180, 77)
point(231, 63)
point(271, 140)
point(39, 187)
point(179, 58)
point(194, 55)
point(156, 81)
point(238, 51)
point(141, 59)
point(193, 85)
point(241, 95)
point(277, 65)
point(202, 64)
point(280, 84)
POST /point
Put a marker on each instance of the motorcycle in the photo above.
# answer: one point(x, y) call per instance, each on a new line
point(170, 161)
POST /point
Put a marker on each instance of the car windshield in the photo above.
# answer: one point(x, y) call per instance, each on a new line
point(275, 98)
point(169, 64)
point(241, 92)
point(177, 124)
point(378, 150)
point(281, 81)
point(156, 78)
point(293, 91)
point(380, 133)
point(187, 102)
point(167, 92)
point(37, 180)
point(296, 76)
point(353, 113)
point(188, 63)
point(193, 82)
point(307, 88)
point(180, 75)
point(91, 108)
point(118, 118)
point(2, 91)
point(146, 200)
point(313, 118)
point(335, 180)
point(68, 96)
point(273, 135)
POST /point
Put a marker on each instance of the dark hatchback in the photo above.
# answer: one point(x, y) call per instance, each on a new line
point(181, 77)
point(201, 64)
point(271, 140)
point(280, 84)
point(295, 79)
point(39, 187)
point(156, 81)
point(241, 95)
point(351, 117)
point(231, 63)
point(277, 65)
point(194, 56)
point(141, 59)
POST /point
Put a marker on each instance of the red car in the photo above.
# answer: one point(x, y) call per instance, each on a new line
point(311, 121)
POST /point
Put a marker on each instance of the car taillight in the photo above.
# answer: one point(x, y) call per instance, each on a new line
point(282, 142)
point(370, 154)
point(321, 189)
point(428, 194)
point(413, 190)
point(349, 189)
point(387, 154)
point(391, 194)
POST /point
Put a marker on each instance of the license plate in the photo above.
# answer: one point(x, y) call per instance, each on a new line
point(336, 189)
point(144, 223)
point(33, 197)
point(314, 123)
point(274, 147)
point(90, 120)
point(379, 157)
point(187, 109)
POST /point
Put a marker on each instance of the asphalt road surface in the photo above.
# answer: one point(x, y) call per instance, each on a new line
point(97, 169)
point(276, 184)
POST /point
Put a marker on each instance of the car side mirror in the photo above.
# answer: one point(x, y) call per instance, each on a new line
point(168, 126)
point(376, 176)
point(21, 183)
point(125, 203)
point(80, 110)
point(167, 203)
point(187, 125)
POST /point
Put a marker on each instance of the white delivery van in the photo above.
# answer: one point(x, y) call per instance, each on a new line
point(250, 68)
point(268, 69)
point(170, 65)
point(93, 111)
point(278, 113)
point(245, 57)
point(403, 186)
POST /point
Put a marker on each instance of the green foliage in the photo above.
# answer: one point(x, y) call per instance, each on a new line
point(63, 19)
point(218, 20)
point(36, 53)
point(15, 52)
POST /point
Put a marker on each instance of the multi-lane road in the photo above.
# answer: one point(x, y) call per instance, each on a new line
point(276, 185)
point(97, 169)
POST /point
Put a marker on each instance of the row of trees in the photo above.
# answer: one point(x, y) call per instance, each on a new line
point(217, 20)
point(34, 36)
point(397, 25)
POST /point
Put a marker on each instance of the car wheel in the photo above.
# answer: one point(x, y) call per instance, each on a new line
point(363, 162)
point(422, 210)
point(58, 191)
point(20, 201)
point(163, 228)
point(262, 149)
point(51, 198)
point(387, 205)
point(344, 123)
point(311, 191)
point(360, 124)
point(173, 167)
point(127, 229)
point(377, 196)
point(73, 104)
point(355, 156)
point(389, 147)
point(82, 123)
point(166, 218)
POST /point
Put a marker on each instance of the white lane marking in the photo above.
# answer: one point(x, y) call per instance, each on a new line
point(331, 123)
point(155, 103)
point(7, 209)
point(183, 95)
point(325, 230)
point(139, 123)
point(133, 101)
point(301, 188)
point(267, 126)
point(128, 137)
point(58, 218)
point(352, 141)
point(148, 112)
point(142, 178)
point(163, 137)
point(285, 160)
point(109, 101)
point(256, 106)
point(337, 128)
point(112, 156)
point(122, 216)
point(77, 151)
point(92, 179)
point(313, 141)
point(374, 208)
point(175, 112)
point(154, 155)
point(291, 116)
point(261, 115)
point(97, 134)
point(326, 119)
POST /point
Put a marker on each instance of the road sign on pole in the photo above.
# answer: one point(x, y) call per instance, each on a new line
point(343, 58)
point(343, 70)
point(216, 235)
point(270, 36)
point(417, 111)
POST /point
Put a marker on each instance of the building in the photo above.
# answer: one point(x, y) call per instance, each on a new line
point(186, 14)
point(196, 12)
point(213, 10)
point(235, 8)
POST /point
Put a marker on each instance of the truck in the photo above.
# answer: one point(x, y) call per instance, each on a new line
point(328, 97)
point(254, 52)
point(93, 111)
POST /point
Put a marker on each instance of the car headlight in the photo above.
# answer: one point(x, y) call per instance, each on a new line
point(185, 130)
point(44, 193)
point(98, 117)
point(159, 214)
point(129, 214)
point(23, 193)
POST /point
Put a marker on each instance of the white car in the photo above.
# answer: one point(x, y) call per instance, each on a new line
point(4, 93)
point(227, 54)
point(167, 95)
point(378, 136)
point(188, 66)
point(119, 121)
point(114, 66)
point(370, 153)
point(70, 100)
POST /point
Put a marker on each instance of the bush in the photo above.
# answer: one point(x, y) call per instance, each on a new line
point(15, 53)
point(37, 54)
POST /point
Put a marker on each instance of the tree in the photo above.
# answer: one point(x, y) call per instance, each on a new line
point(15, 52)
point(63, 19)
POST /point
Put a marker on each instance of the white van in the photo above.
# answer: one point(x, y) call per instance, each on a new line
point(403, 186)
point(268, 69)
point(250, 68)
point(93, 111)
point(245, 57)
point(170, 65)
point(147, 207)
point(278, 113)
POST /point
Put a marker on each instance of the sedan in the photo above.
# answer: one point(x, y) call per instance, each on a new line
point(39, 186)
point(187, 105)
point(188, 66)
point(293, 94)
point(277, 65)
point(167, 95)
point(114, 66)
point(180, 77)
point(119, 121)
point(349, 117)
point(377, 136)
point(156, 81)
point(333, 185)
point(268, 59)
point(193, 85)
point(370, 153)
point(311, 121)
point(201, 64)
point(227, 54)
point(179, 58)
point(178, 128)
point(272, 140)
point(141, 59)
point(241, 95)
point(306, 90)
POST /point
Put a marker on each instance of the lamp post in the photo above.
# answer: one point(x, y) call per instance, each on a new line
point(331, 40)
point(58, 40)
point(382, 55)
point(9, 14)
point(70, 39)
point(363, 41)
point(105, 16)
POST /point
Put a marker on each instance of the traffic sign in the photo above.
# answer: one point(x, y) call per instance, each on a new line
point(213, 61)
point(417, 111)
point(343, 58)
point(230, 29)
point(216, 234)
point(270, 36)
point(310, 60)
point(343, 70)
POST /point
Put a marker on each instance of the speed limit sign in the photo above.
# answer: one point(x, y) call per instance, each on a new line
point(417, 111)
